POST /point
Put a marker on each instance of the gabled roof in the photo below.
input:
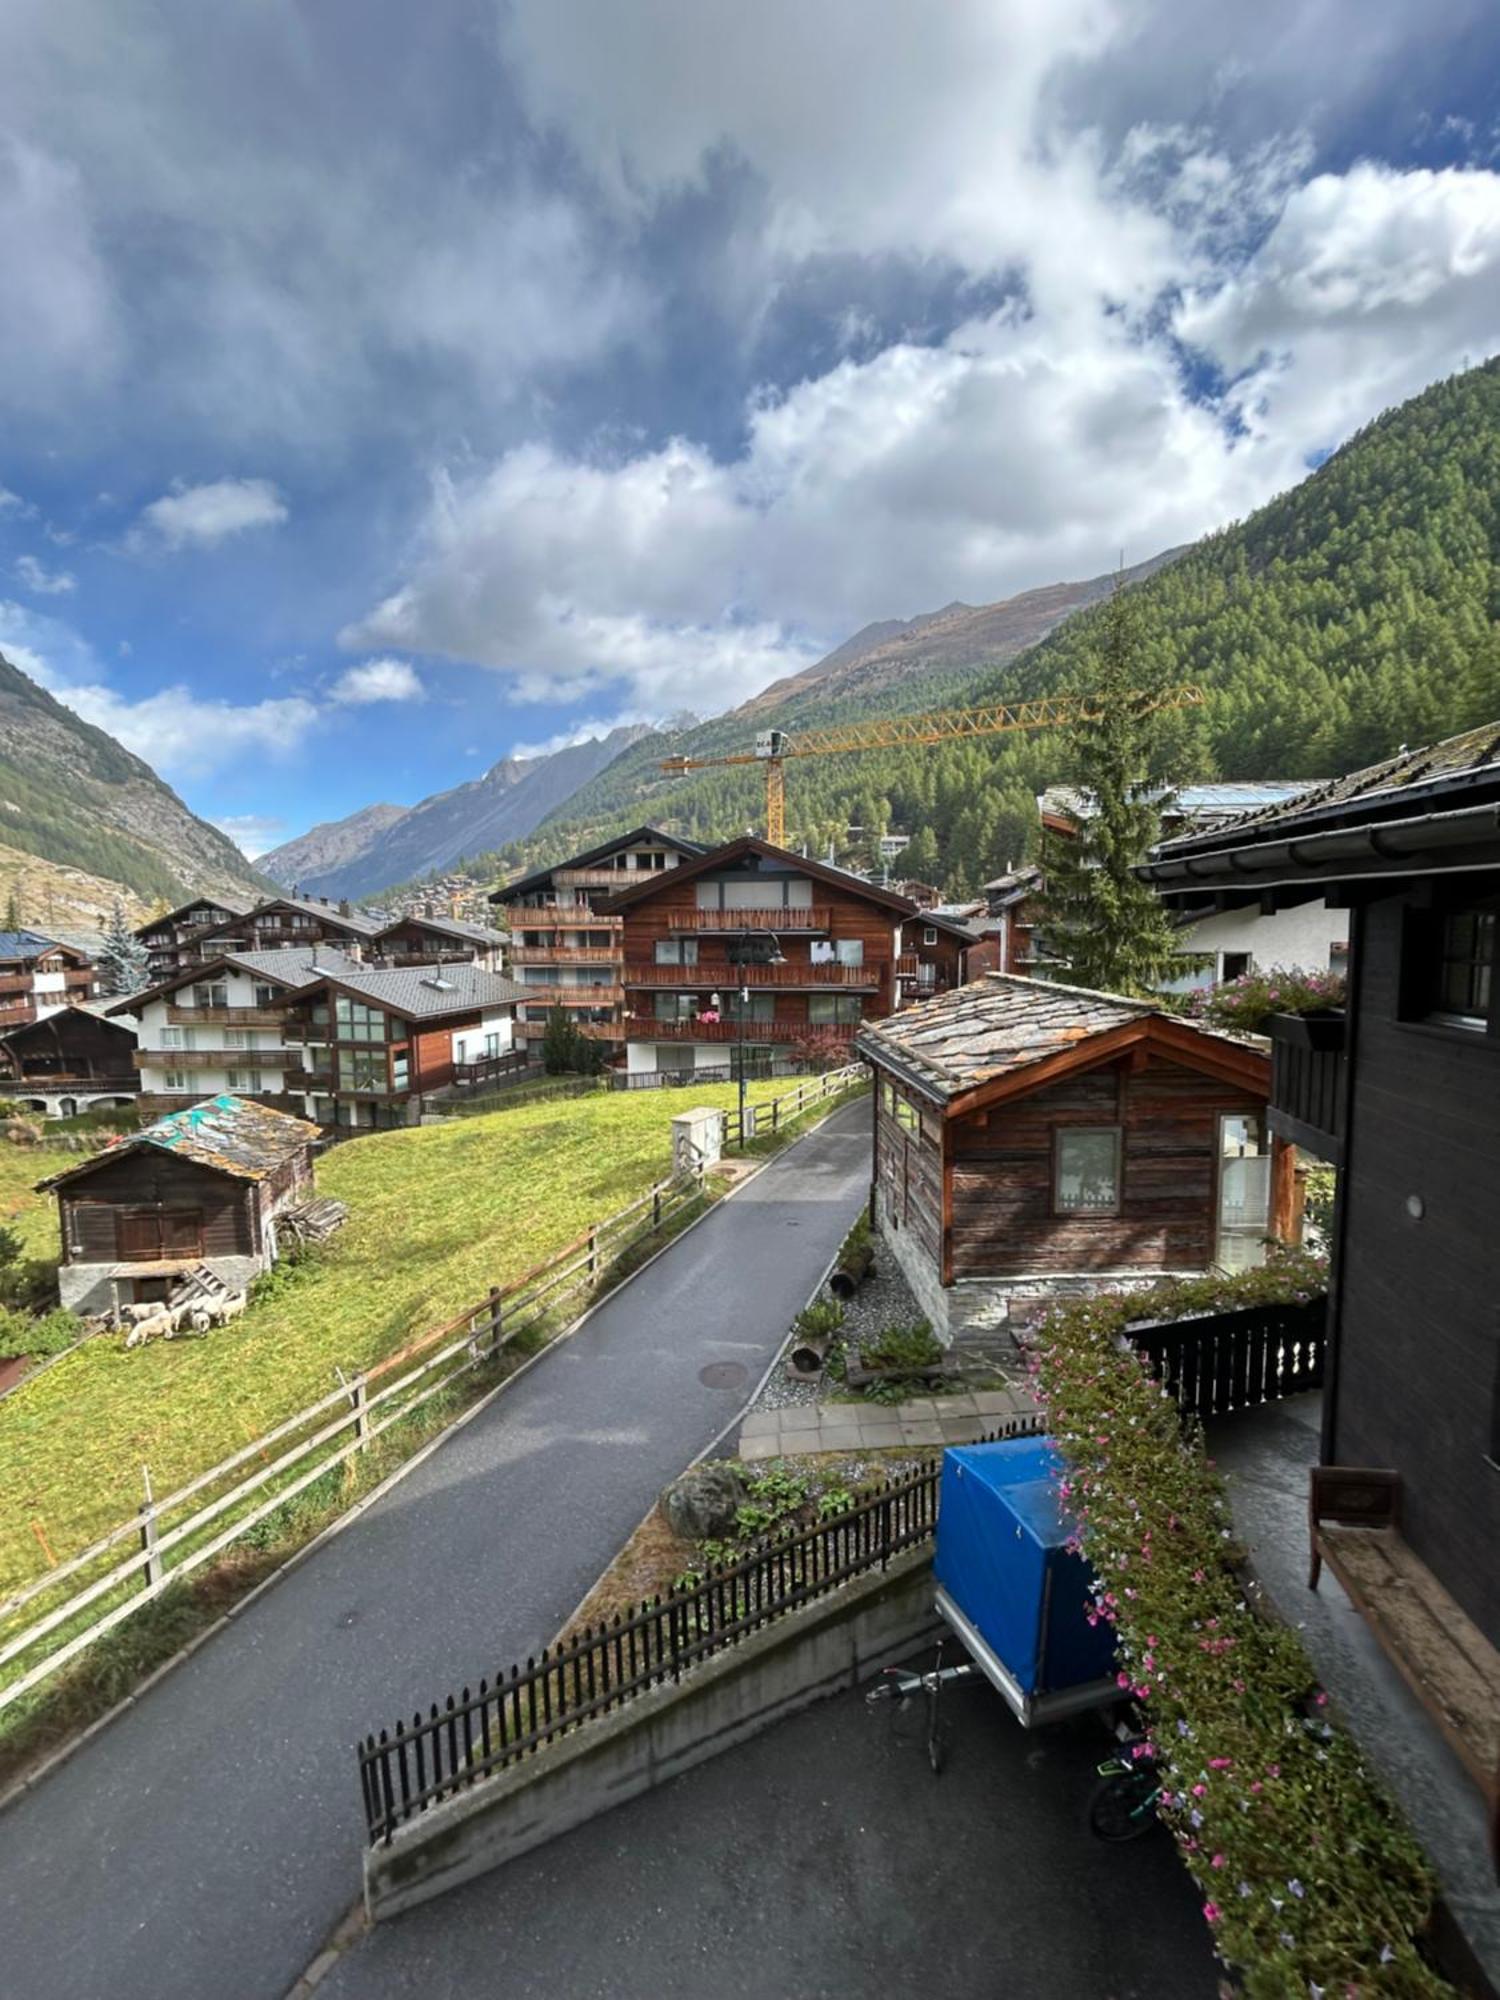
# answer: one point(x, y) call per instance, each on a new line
point(1005, 1035)
point(235, 909)
point(743, 849)
point(230, 1135)
point(31, 944)
point(540, 877)
point(425, 992)
point(453, 927)
point(940, 920)
point(290, 966)
point(328, 913)
point(60, 1016)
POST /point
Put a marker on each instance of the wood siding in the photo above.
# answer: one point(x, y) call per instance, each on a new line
point(1003, 1220)
point(1418, 1361)
point(93, 1208)
point(909, 1170)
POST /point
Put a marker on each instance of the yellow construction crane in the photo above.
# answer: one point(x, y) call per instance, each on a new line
point(951, 725)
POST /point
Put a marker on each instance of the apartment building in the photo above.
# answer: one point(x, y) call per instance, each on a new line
point(268, 926)
point(414, 940)
point(748, 950)
point(38, 975)
point(565, 947)
point(167, 940)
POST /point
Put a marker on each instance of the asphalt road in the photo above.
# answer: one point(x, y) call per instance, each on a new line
point(823, 1861)
point(203, 1845)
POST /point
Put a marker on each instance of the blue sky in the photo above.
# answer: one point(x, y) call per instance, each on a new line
point(387, 389)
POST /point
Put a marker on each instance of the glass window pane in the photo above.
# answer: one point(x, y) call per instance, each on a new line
point(1088, 1171)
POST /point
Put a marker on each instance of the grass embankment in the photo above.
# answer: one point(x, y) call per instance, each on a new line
point(437, 1215)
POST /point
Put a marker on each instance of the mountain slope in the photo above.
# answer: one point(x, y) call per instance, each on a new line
point(381, 845)
point(71, 794)
point(1352, 614)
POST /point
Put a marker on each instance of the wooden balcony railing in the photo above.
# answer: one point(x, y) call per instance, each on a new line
point(274, 1058)
point(226, 1017)
point(644, 1028)
point(784, 976)
point(570, 996)
point(751, 920)
point(564, 954)
point(604, 878)
point(563, 917)
point(906, 965)
point(1307, 1083)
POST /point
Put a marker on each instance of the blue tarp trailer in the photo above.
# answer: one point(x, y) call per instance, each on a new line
point(1009, 1586)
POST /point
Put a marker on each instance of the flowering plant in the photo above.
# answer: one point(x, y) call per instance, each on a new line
point(1311, 1882)
point(1245, 1004)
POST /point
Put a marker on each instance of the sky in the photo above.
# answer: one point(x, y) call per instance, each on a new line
point(388, 389)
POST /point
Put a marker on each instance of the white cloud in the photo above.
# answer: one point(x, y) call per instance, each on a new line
point(41, 582)
point(202, 516)
point(180, 734)
point(377, 680)
point(252, 833)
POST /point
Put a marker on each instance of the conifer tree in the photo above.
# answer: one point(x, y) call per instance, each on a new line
point(1101, 926)
point(122, 957)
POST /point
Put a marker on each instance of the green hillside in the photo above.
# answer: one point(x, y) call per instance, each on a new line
point(1353, 614)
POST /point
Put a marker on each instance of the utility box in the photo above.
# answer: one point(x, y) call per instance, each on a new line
point(697, 1139)
point(1010, 1587)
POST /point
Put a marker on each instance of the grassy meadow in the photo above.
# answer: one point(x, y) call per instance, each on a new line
point(436, 1216)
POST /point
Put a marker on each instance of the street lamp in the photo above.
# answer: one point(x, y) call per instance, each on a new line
point(749, 947)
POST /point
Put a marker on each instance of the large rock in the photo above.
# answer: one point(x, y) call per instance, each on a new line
point(703, 1503)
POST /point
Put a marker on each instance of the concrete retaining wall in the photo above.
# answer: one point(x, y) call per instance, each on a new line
point(836, 1643)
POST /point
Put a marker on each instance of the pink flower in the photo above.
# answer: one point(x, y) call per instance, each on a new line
point(1217, 1861)
point(1212, 1912)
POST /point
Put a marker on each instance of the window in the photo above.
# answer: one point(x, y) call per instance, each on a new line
point(929, 934)
point(238, 1038)
point(676, 951)
point(400, 1074)
point(357, 1022)
point(362, 1069)
point(1465, 969)
point(211, 996)
point(1244, 1201)
point(175, 1038)
point(1233, 964)
point(1086, 1170)
point(265, 996)
point(851, 951)
point(675, 1006)
point(175, 1079)
point(245, 1081)
point(492, 1045)
point(759, 1006)
point(827, 1010)
point(888, 1099)
point(906, 1115)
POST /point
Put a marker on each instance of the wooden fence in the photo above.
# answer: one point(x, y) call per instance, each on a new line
point(472, 1735)
point(1236, 1360)
point(768, 1118)
point(172, 1536)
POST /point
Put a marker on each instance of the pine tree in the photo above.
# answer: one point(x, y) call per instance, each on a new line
point(13, 909)
point(1101, 925)
point(122, 958)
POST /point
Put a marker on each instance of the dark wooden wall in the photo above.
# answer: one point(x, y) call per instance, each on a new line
point(1419, 1339)
point(1003, 1221)
point(909, 1169)
point(154, 1179)
point(74, 1042)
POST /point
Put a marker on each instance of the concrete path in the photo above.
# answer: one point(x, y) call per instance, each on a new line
point(925, 1421)
point(203, 1845)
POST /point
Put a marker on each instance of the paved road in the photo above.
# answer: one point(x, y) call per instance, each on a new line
point(823, 1861)
point(202, 1846)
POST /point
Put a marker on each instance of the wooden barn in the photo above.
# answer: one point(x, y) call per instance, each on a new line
point(1033, 1139)
point(75, 1059)
point(202, 1189)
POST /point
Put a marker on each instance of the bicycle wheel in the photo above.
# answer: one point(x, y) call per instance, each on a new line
point(1122, 1807)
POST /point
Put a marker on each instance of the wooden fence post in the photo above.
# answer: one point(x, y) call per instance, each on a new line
point(655, 1208)
point(356, 1392)
point(155, 1570)
point(593, 1250)
point(497, 1317)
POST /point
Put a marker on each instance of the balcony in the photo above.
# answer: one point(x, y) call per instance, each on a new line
point(1307, 1082)
point(643, 1028)
point(604, 878)
point(226, 1017)
point(787, 977)
point(749, 920)
point(561, 954)
point(570, 996)
point(277, 1058)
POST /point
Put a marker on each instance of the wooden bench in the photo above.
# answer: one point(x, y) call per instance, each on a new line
point(1354, 1517)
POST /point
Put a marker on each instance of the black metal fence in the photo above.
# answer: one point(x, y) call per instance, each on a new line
point(1235, 1360)
point(476, 1733)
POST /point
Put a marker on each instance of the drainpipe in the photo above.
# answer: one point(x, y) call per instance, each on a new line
point(1328, 1445)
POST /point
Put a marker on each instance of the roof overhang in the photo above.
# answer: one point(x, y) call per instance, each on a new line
point(748, 847)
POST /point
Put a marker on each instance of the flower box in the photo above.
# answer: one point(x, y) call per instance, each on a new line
point(1321, 1029)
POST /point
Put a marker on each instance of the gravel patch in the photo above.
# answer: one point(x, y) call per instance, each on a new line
point(884, 1299)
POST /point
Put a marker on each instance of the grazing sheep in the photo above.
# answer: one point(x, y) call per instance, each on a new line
point(146, 1309)
point(149, 1329)
point(200, 1319)
point(228, 1309)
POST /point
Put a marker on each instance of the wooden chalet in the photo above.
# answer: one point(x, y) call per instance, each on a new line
point(167, 937)
point(1033, 1139)
point(1402, 1093)
point(751, 947)
point(38, 975)
point(197, 1192)
point(414, 940)
point(76, 1059)
point(278, 921)
point(940, 950)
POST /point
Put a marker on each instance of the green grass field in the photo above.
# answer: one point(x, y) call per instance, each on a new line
point(437, 1215)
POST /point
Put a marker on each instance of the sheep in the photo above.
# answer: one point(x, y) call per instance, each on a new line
point(148, 1329)
point(228, 1309)
point(142, 1310)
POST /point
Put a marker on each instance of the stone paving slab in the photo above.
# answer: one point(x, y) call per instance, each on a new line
point(924, 1420)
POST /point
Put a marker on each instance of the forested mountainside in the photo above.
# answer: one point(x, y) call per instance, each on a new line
point(69, 793)
point(1352, 614)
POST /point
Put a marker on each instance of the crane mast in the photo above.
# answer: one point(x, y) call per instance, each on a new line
point(950, 725)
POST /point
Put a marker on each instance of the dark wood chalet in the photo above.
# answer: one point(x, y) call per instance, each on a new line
point(277, 922)
point(750, 947)
point(168, 937)
point(413, 940)
point(1403, 1092)
point(940, 951)
point(76, 1059)
point(202, 1188)
point(1033, 1139)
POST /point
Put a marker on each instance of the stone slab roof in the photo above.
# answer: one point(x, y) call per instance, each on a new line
point(233, 1135)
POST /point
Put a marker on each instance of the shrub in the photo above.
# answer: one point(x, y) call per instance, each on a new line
point(29, 1286)
point(12, 1243)
point(823, 1316)
point(23, 1333)
point(1311, 1881)
point(22, 1132)
point(1321, 1188)
point(912, 1348)
point(1246, 1003)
